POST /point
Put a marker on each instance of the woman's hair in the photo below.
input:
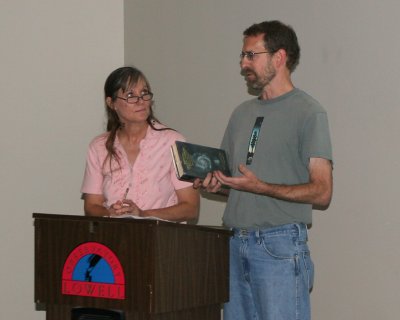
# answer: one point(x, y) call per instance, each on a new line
point(122, 78)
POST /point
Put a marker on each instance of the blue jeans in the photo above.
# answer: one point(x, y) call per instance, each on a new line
point(271, 274)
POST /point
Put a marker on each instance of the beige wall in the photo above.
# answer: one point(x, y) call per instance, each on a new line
point(54, 58)
point(189, 50)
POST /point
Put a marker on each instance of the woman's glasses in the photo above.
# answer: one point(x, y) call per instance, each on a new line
point(135, 99)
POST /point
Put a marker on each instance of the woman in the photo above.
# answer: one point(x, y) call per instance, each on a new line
point(129, 169)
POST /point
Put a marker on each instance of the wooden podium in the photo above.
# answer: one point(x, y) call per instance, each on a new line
point(146, 269)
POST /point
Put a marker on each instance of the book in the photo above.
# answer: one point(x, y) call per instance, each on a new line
point(195, 161)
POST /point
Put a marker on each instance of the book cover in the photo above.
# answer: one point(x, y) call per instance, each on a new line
point(195, 161)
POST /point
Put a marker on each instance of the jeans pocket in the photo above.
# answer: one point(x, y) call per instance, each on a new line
point(308, 268)
point(279, 247)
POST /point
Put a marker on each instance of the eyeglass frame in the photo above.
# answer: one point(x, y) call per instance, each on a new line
point(137, 98)
point(250, 54)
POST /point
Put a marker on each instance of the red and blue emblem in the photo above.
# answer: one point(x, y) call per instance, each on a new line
point(93, 270)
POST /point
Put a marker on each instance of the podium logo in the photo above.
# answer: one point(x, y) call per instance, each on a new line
point(93, 270)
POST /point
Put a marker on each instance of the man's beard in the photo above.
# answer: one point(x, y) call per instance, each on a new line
point(260, 82)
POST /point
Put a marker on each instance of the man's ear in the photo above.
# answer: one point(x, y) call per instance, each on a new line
point(280, 58)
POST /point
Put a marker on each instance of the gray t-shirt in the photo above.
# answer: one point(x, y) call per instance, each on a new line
point(295, 129)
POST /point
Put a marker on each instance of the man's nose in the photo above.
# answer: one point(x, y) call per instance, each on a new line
point(244, 62)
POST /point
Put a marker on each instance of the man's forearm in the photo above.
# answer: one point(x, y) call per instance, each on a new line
point(311, 193)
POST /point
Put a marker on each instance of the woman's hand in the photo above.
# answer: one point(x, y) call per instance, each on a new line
point(126, 206)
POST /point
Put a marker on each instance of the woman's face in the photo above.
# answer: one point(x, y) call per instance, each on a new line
point(131, 106)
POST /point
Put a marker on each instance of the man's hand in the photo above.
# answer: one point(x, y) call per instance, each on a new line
point(209, 184)
point(248, 181)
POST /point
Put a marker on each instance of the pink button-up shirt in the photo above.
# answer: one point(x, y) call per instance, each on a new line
point(151, 179)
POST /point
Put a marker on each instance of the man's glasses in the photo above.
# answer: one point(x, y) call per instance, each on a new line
point(250, 54)
point(135, 99)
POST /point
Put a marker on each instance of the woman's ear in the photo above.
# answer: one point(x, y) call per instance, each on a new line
point(109, 103)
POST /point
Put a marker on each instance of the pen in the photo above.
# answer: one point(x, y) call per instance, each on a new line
point(126, 193)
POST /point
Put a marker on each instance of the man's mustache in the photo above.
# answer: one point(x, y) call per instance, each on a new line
point(245, 71)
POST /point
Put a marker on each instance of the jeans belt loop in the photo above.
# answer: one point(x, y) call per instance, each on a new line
point(303, 231)
point(258, 236)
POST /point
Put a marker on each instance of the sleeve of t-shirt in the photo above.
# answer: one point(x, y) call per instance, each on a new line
point(316, 141)
point(93, 177)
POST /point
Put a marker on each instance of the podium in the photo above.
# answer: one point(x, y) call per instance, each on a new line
point(140, 269)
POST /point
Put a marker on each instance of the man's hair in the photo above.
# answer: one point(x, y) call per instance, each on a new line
point(277, 36)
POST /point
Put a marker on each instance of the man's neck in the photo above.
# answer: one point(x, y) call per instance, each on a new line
point(276, 88)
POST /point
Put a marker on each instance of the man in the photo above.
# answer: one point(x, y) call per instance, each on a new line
point(280, 155)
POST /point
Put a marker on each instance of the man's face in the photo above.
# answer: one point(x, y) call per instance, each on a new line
point(257, 69)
